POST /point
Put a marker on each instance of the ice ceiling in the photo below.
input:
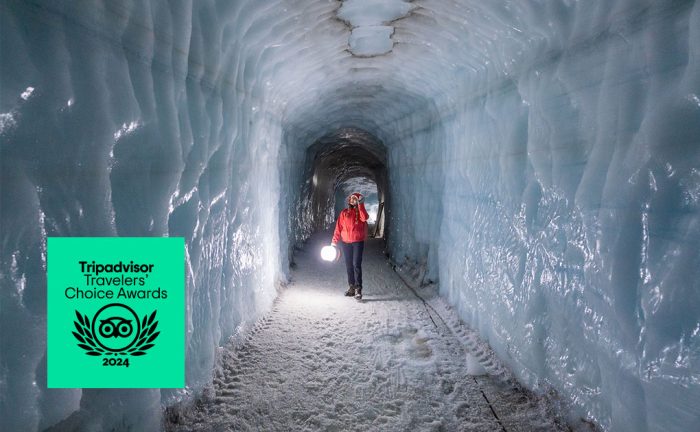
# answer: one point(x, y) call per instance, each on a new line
point(540, 159)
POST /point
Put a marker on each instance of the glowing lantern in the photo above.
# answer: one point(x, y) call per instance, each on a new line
point(330, 253)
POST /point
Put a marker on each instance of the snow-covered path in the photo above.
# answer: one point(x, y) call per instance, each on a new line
point(322, 361)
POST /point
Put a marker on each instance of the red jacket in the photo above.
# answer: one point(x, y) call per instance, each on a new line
point(351, 227)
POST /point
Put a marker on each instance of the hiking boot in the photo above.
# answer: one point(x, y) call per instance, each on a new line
point(358, 292)
point(351, 291)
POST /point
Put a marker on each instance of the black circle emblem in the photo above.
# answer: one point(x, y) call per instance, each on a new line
point(116, 327)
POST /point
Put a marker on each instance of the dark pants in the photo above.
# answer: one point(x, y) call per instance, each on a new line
point(353, 261)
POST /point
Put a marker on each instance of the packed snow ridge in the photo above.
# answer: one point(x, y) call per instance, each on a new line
point(539, 162)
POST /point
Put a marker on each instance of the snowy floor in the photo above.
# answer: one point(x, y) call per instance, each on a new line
point(322, 361)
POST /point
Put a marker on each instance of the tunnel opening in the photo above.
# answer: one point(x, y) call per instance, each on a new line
point(339, 163)
point(375, 208)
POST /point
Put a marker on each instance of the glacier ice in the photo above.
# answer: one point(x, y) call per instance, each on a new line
point(540, 159)
point(373, 12)
point(371, 40)
point(369, 21)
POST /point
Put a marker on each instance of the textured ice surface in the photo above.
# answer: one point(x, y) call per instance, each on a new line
point(543, 165)
point(370, 19)
point(373, 12)
point(371, 40)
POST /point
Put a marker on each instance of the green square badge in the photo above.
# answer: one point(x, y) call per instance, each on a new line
point(116, 312)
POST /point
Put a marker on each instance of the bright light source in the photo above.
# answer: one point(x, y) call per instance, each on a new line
point(372, 210)
point(330, 253)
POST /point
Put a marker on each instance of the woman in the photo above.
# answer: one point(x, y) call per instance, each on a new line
point(351, 228)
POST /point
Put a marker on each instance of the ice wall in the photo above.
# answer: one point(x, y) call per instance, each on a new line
point(128, 119)
point(571, 220)
point(541, 161)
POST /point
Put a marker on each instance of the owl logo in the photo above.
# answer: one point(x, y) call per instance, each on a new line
point(116, 330)
point(115, 327)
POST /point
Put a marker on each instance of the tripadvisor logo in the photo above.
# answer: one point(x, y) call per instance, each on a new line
point(116, 332)
point(116, 312)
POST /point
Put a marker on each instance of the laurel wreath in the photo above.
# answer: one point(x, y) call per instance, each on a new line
point(144, 342)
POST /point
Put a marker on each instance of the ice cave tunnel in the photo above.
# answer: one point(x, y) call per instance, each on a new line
point(537, 164)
